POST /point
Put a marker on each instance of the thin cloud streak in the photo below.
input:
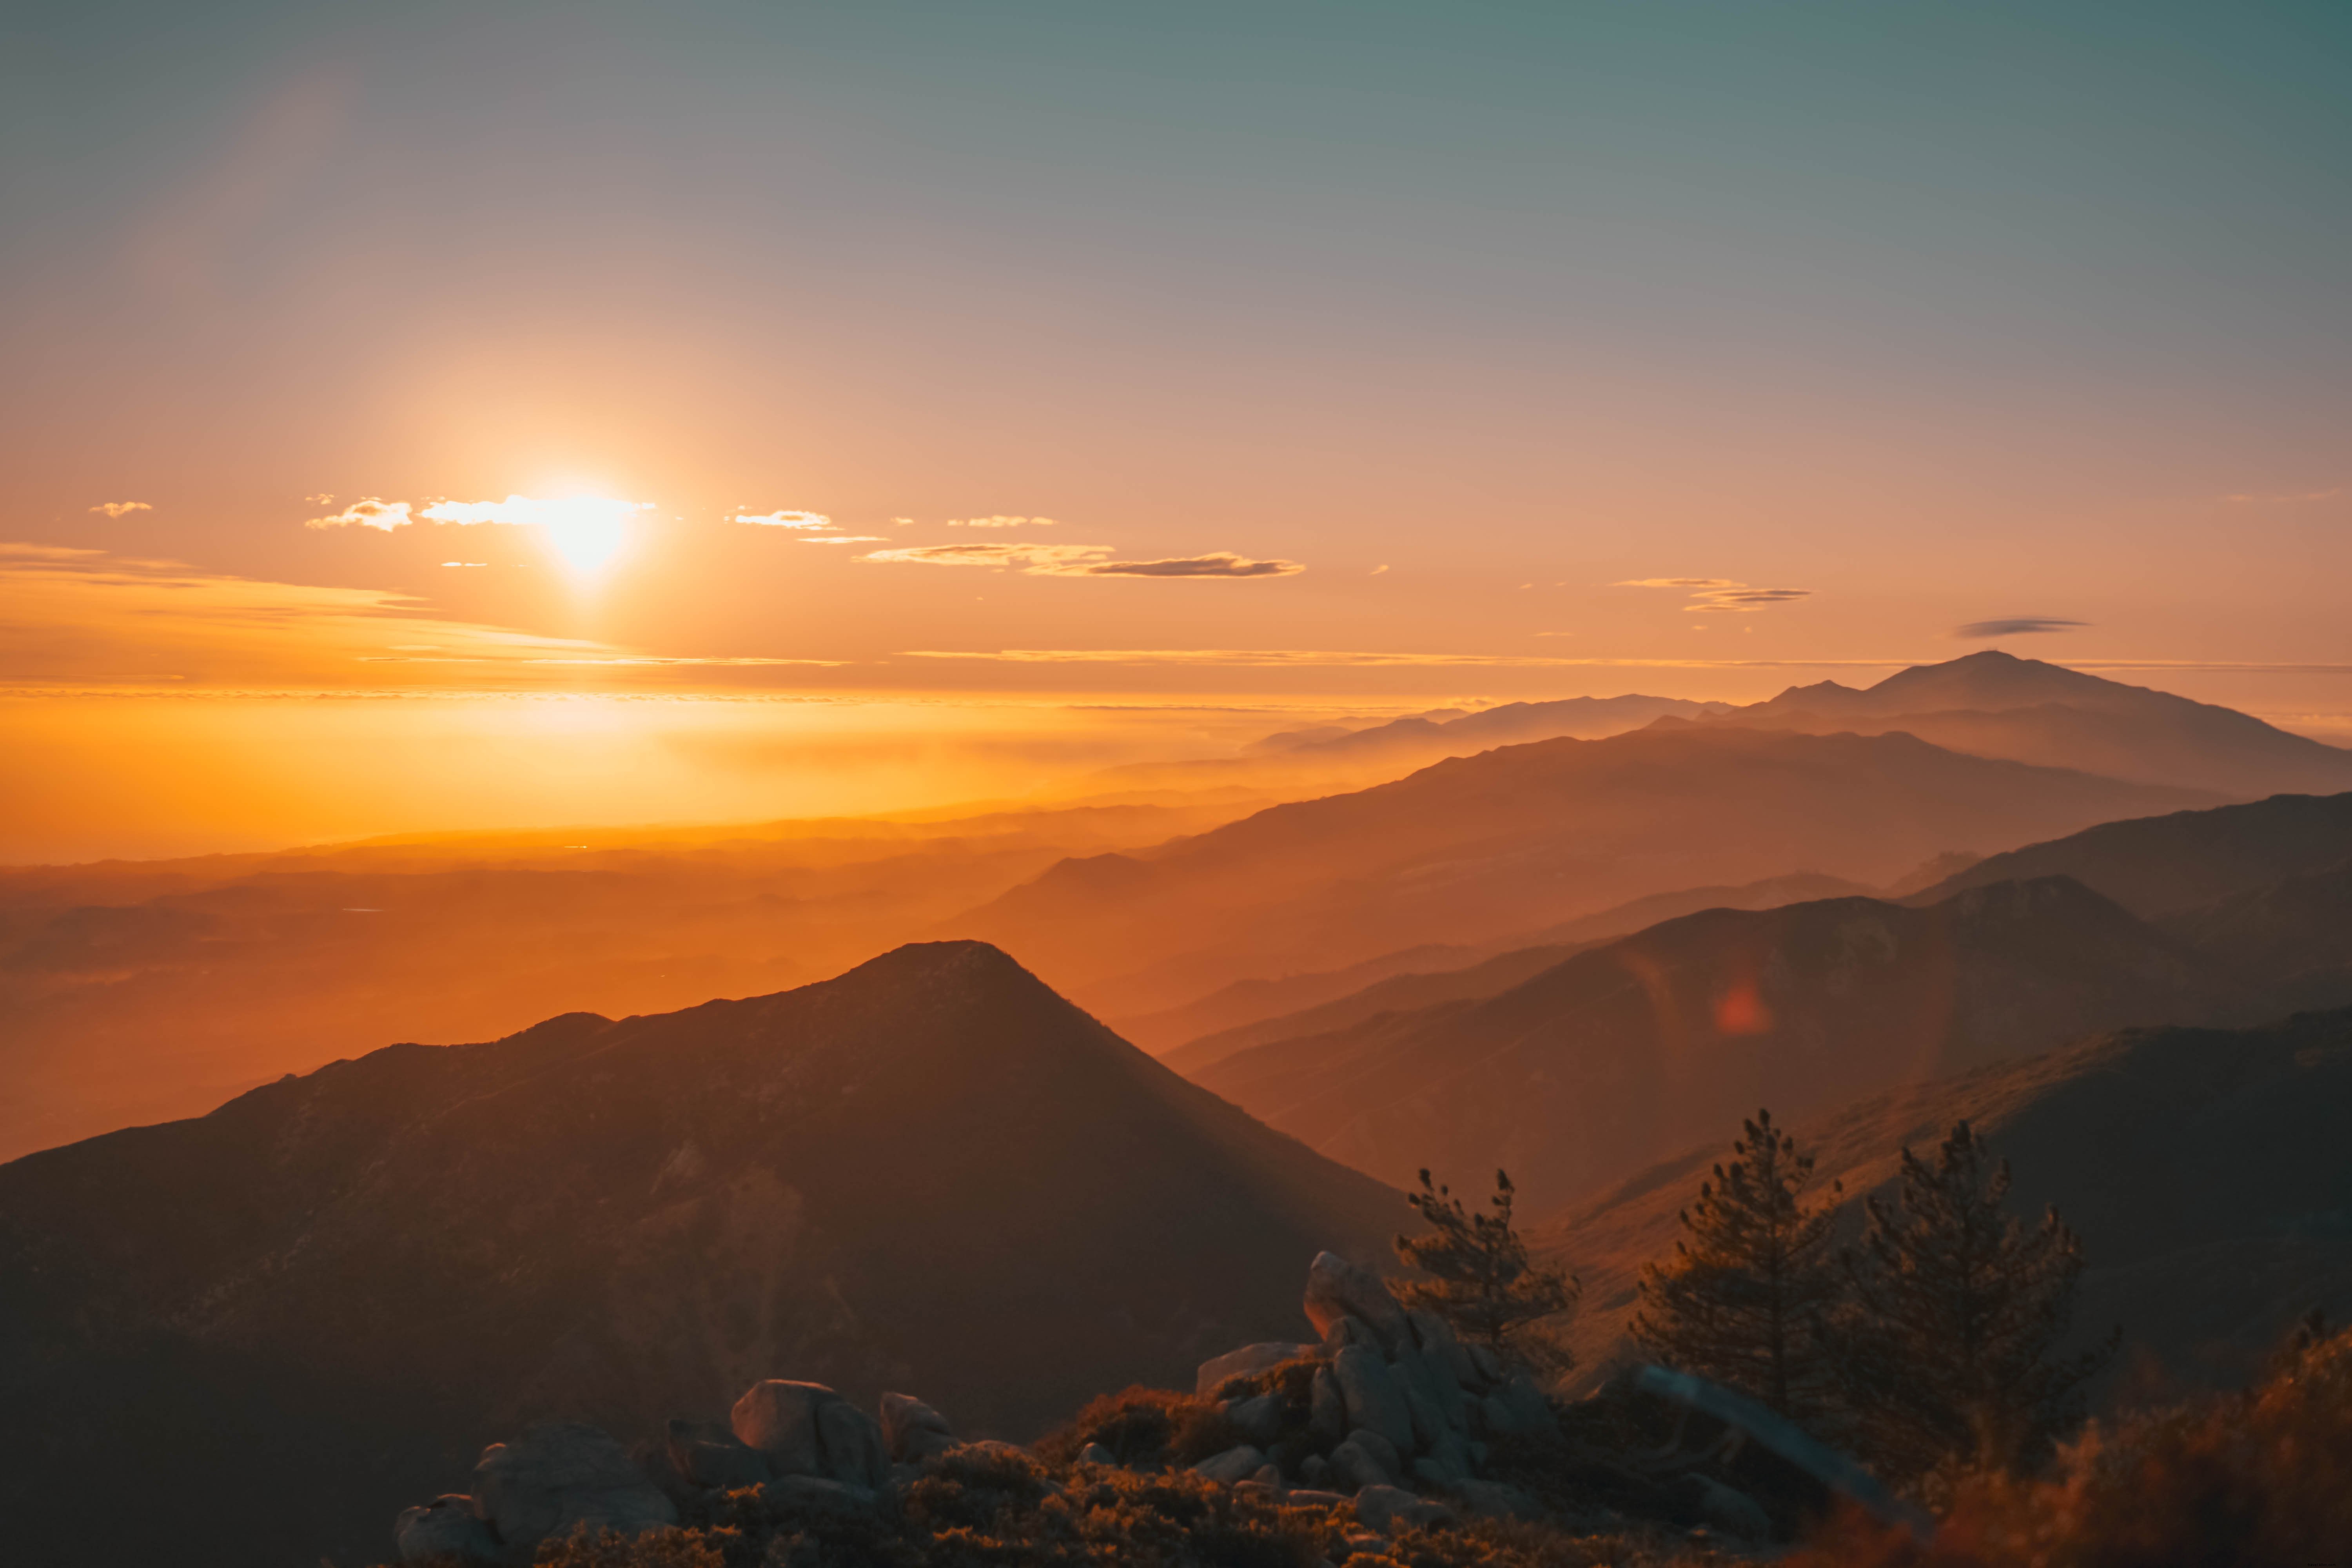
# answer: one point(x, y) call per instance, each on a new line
point(2016, 626)
point(1720, 596)
point(1082, 561)
point(780, 518)
point(121, 507)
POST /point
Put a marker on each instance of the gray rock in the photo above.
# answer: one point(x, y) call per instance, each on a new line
point(1493, 1499)
point(1453, 1452)
point(1309, 1497)
point(706, 1454)
point(1096, 1454)
point(444, 1527)
point(1347, 1331)
point(556, 1477)
point(1389, 1509)
point(1496, 1416)
point(1734, 1511)
point(911, 1430)
point(1353, 1469)
point(1438, 1341)
point(1531, 1410)
point(1257, 1418)
point(1337, 1288)
point(1268, 1475)
point(1233, 1465)
point(854, 1451)
point(1326, 1409)
point(1429, 1424)
point(1244, 1362)
point(1373, 1400)
point(779, 1418)
point(1314, 1469)
point(1384, 1452)
point(1487, 1365)
point(804, 1496)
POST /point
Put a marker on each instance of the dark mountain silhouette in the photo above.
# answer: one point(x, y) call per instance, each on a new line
point(1624, 1052)
point(1478, 848)
point(2206, 1170)
point(1253, 1012)
point(2292, 938)
point(1995, 705)
point(931, 1171)
point(2167, 865)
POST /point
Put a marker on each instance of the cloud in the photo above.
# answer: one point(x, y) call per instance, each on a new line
point(1377, 570)
point(1082, 561)
point(2015, 627)
point(374, 512)
point(1000, 520)
point(118, 507)
point(780, 519)
point(1721, 595)
point(517, 511)
point(2283, 498)
point(842, 539)
point(1222, 565)
point(1299, 657)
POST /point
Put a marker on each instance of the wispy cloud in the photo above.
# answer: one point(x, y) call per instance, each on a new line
point(1000, 520)
point(2016, 626)
point(518, 511)
point(374, 512)
point(121, 508)
point(1082, 561)
point(841, 539)
point(781, 519)
point(2282, 498)
point(1721, 595)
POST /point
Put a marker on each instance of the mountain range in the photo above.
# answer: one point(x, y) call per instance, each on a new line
point(931, 1171)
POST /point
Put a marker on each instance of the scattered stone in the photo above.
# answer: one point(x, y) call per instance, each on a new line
point(1233, 1465)
point(1242, 1362)
point(1355, 1468)
point(1337, 1288)
point(1389, 1509)
point(706, 1454)
point(1326, 1409)
point(1734, 1511)
point(1495, 1500)
point(1374, 1401)
point(444, 1527)
point(1257, 1418)
point(557, 1477)
point(912, 1431)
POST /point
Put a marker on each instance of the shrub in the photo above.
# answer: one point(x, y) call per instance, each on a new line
point(1145, 1426)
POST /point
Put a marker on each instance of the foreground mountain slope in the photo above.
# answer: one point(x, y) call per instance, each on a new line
point(1622, 1054)
point(1481, 847)
point(2207, 1172)
point(2159, 865)
point(931, 1171)
point(1993, 704)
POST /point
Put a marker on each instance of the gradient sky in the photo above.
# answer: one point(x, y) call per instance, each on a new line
point(1942, 314)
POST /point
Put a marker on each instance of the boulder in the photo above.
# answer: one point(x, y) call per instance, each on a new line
point(1233, 1465)
point(807, 1429)
point(1257, 1418)
point(1314, 1469)
point(1382, 1452)
point(1389, 1509)
point(1373, 1400)
point(443, 1528)
point(706, 1454)
point(1354, 1468)
point(557, 1477)
point(1438, 1341)
point(1337, 1289)
point(1244, 1362)
point(1096, 1454)
point(1268, 1474)
point(1308, 1497)
point(1495, 1414)
point(912, 1431)
point(1326, 1409)
point(1530, 1408)
point(1734, 1511)
point(1493, 1499)
point(1487, 1366)
point(853, 1451)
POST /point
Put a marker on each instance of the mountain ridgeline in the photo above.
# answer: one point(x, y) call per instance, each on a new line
point(931, 1171)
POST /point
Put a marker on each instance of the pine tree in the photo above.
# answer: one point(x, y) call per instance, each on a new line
point(1747, 1296)
point(1485, 1285)
point(1956, 1309)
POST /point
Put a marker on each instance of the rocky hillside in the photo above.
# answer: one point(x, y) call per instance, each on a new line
point(931, 1171)
point(1623, 1054)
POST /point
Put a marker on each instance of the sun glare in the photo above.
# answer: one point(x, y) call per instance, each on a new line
point(586, 533)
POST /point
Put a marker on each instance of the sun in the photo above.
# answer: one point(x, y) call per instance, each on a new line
point(586, 533)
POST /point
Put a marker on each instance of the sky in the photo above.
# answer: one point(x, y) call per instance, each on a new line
point(951, 369)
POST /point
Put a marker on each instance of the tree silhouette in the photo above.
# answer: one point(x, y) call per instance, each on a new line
point(1956, 1309)
point(1482, 1282)
point(1748, 1295)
